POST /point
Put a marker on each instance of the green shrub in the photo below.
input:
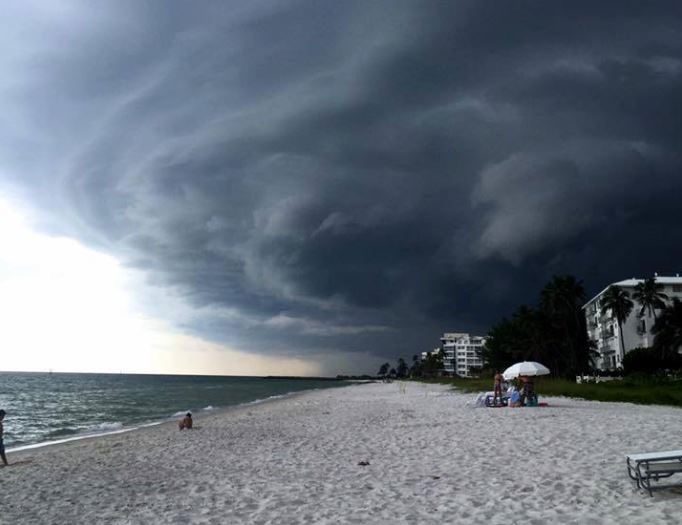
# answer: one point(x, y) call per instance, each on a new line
point(649, 361)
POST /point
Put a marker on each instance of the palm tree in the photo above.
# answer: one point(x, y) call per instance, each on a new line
point(561, 303)
point(383, 370)
point(668, 330)
point(401, 370)
point(618, 301)
point(414, 369)
point(433, 364)
point(649, 296)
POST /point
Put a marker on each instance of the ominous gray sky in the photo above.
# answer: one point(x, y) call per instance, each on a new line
point(348, 177)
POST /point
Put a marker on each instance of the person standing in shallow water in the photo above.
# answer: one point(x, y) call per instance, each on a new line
point(2, 443)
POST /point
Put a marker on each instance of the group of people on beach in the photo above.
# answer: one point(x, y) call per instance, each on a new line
point(518, 395)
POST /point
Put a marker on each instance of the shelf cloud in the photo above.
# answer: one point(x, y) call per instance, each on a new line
point(349, 177)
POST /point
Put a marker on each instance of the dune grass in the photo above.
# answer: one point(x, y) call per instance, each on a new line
point(640, 390)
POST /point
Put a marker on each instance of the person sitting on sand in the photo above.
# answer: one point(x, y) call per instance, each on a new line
point(514, 398)
point(527, 391)
point(497, 388)
point(2, 444)
point(186, 422)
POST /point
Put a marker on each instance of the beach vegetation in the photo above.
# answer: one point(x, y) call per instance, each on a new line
point(643, 389)
point(402, 369)
point(650, 361)
point(429, 367)
point(415, 365)
point(552, 332)
point(650, 297)
point(668, 331)
point(618, 302)
point(664, 356)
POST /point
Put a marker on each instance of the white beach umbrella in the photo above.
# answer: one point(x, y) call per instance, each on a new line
point(525, 368)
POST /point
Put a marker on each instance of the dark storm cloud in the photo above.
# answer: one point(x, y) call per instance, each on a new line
point(352, 176)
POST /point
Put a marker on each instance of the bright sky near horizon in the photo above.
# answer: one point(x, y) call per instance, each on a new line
point(68, 308)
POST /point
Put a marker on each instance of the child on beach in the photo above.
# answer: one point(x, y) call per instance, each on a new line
point(2, 444)
point(186, 422)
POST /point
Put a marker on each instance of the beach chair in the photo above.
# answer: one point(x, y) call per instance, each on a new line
point(490, 396)
point(653, 466)
point(480, 400)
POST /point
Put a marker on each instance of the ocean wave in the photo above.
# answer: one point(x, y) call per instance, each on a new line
point(74, 435)
point(61, 432)
point(105, 427)
point(209, 407)
point(269, 398)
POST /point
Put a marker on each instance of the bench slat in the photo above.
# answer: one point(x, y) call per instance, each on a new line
point(671, 454)
point(664, 467)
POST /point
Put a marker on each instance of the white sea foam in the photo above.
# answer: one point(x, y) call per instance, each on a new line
point(105, 427)
point(277, 396)
point(73, 438)
point(269, 398)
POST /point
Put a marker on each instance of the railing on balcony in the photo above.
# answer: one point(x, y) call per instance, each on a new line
point(606, 333)
point(605, 317)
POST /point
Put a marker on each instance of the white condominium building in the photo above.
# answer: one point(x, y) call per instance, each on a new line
point(463, 353)
point(603, 328)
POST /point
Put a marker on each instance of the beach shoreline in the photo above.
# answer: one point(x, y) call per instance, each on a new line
point(430, 458)
point(173, 420)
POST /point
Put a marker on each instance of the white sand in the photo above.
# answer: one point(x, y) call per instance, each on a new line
point(432, 460)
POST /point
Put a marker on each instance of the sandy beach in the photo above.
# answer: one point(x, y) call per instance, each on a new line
point(432, 459)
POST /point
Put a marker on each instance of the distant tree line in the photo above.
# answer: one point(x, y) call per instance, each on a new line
point(430, 366)
point(552, 332)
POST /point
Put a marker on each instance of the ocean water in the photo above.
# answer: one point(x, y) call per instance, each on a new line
point(43, 407)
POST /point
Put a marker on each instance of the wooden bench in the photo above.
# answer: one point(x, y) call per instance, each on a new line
point(653, 466)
